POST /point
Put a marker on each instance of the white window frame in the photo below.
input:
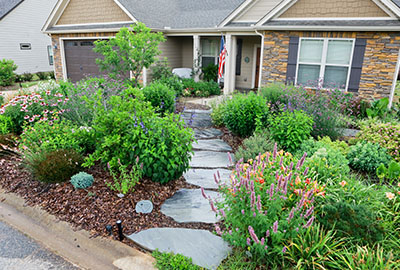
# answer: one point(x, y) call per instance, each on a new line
point(209, 55)
point(323, 63)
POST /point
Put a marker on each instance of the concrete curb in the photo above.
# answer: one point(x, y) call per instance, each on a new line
point(74, 246)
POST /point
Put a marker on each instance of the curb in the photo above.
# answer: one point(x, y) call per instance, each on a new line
point(76, 247)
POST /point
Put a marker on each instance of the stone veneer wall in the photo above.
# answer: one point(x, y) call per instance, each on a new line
point(55, 39)
point(379, 66)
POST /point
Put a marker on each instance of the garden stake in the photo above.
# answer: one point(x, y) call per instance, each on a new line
point(109, 229)
point(119, 225)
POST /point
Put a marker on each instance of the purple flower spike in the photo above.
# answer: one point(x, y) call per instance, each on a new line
point(242, 211)
point(203, 193)
point(281, 162)
point(309, 222)
point(309, 212)
point(267, 234)
point(215, 179)
point(254, 214)
point(230, 158)
point(259, 203)
point(213, 207)
point(222, 213)
point(284, 249)
point(262, 241)
point(306, 171)
point(248, 241)
point(291, 166)
point(275, 151)
point(253, 199)
point(253, 235)
point(275, 227)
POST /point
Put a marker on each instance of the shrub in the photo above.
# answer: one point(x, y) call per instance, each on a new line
point(367, 157)
point(278, 94)
point(161, 70)
point(54, 166)
point(82, 180)
point(242, 111)
point(125, 180)
point(385, 134)
point(311, 146)
point(7, 75)
point(51, 75)
point(27, 77)
point(174, 83)
point(6, 125)
point(210, 73)
point(129, 128)
point(19, 78)
point(390, 173)
point(42, 75)
point(258, 143)
point(171, 261)
point(217, 114)
point(267, 204)
point(290, 129)
point(161, 97)
point(200, 89)
point(1, 99)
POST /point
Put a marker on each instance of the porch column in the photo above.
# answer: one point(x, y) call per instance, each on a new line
point(144, 77)
point(196, 57)
point(230, 64)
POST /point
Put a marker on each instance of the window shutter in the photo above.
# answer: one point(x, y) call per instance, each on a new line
point(292, 60)
point(239, 56)
point(356, 67)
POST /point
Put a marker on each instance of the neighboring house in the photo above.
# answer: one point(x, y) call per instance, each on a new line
point(21, 39)
point(351, 43)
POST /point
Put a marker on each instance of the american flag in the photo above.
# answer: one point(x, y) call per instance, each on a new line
point(222, 56)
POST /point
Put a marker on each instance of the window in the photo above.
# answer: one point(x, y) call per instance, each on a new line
point(324, 62)
point(25, 46)
point(209, 52)
point(50, 55)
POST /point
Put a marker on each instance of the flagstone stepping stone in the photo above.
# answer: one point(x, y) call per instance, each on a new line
point(208, 133)
point(209, 159)
point(206, 249)
point(201, 120)
point(212, 145)
point(205, 178)
point(188, 111)
point(188, 205)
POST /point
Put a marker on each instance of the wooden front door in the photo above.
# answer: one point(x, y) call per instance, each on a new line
point(256, 80)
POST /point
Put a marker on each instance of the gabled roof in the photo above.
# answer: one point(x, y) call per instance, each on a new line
point(6, 6)
point(180, 14)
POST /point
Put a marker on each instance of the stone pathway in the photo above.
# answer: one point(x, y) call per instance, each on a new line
point(188, 205)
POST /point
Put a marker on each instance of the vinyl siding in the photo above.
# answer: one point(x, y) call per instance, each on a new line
point(337, 8)
point(187, 52)
point(258, 10)
point(245, 79)
point(92, 11)
point(23, 25)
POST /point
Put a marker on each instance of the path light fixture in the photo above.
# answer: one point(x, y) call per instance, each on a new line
point(119, 225)
point(109, 229)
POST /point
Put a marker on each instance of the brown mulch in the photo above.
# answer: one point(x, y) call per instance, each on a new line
point(98, 206)
point(180, 106)
point(233, 141)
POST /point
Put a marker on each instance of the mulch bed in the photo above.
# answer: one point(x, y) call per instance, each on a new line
point(98, 206)
point(233, 141)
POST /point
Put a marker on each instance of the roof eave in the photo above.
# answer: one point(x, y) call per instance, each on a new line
point(329, 28)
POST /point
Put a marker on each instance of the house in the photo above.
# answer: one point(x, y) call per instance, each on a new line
point(21, 39)
point(353, 44)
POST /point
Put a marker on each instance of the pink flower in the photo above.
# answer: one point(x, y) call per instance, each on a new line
point(390, 195)
point(343, 183)
point(26, 117)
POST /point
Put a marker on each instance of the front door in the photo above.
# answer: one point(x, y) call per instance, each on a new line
point(256, 80)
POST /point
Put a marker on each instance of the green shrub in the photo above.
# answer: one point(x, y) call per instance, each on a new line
point(242, 111)
point(290, 129)
point(19, 78)
point(161, 97)
point(1, 99)
point(386, 135)
point(200, 89)
point(354, 220)
point(42, 75)
point(161, 70)
point(27, 76)
point(310, 146)
point(125, 180)
point(210, 73)
point(217, 114)
point(82, 180)
point(367, 157)
point(277, 94)
point(129, 128)
point(258, 143)
point(389, 173)
point(6, 125)
point(171, 261)
point(7, 75)
point(174, 83)
point(54, 166)
point(51, 75)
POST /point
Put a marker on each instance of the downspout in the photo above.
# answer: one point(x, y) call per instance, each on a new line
point(393, 90)
point(261, 57)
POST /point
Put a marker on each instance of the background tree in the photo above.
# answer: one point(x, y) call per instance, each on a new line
point(129, 51)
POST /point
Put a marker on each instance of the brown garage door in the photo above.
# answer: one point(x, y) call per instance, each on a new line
point(81, 59)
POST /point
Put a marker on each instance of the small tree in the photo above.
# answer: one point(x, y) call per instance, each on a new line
point(129, 51)
point(7, 75)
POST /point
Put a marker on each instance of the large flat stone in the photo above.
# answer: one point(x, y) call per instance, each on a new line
point(194, 120)
point(206, 249)
point(188, 205)
point(209, 159)
point(212, 145)
point(205, 177)
point(208, 133)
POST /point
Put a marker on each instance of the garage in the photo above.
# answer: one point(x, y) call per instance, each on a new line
point(80, 59)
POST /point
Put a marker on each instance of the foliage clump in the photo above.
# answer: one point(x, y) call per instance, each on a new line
point(82, 180)
point(7, 75)
point(171, 261)
point(259, 142)
point(161, 97)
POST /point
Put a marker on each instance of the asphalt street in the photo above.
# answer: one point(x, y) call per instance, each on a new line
point(19, 252)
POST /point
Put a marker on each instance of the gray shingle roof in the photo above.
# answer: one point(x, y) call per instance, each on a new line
point(388, 23)
point(6, 6)
point(397, 2)
point(181, 14)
